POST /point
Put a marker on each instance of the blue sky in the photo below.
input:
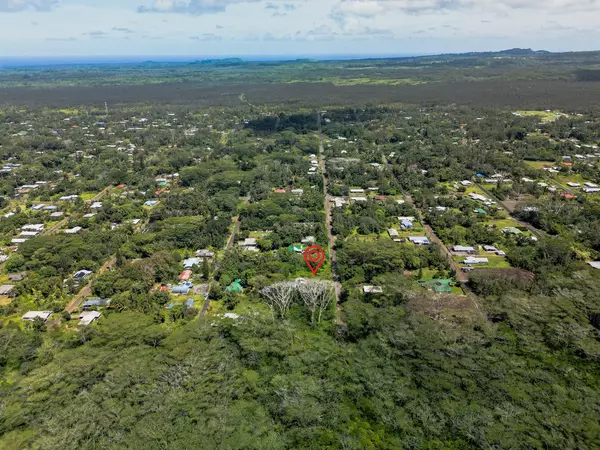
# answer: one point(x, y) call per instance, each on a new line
point(286, 27)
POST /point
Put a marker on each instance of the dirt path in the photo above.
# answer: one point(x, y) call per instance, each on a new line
point(228, 246)
point(56, 227)
point(329, 226)
point(537, 233)
point(100, 195)
point(87, 289)
point(461, 276)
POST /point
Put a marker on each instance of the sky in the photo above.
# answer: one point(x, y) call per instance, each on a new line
point(294, 28)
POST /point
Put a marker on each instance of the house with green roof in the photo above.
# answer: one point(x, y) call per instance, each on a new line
point(439, 286)
point(297, 248)
point(512, 230)
point(236, 287)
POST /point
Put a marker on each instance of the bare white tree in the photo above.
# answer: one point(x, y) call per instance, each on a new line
point(316, 294)
point(280, 296)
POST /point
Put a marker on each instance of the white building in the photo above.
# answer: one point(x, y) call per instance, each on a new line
point(88, 317)
point(32, 315)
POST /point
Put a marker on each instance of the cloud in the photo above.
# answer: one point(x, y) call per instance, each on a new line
point(284, 6)
point(123, 30)
point(194, 7)
point(67, 39)
point(375, 8)
point(207, 37)
point(22, 5)
point(95, 33)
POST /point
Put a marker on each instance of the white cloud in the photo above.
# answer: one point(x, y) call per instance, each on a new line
point(194, 7)
point(308, 27)
point(373, 8)
point(22, 5)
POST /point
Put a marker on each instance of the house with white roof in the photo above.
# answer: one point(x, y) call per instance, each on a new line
point(419, 240)
point(87, 317)
point(32, 315)
point(472, 260)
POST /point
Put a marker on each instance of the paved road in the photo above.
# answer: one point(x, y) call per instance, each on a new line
point(329, 226)
point(87, 289)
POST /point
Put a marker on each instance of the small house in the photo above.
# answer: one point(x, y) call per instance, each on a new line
point(189, 303)
point(235, 287)
point(7, 290)
point(419, 240)
point(181, 289)
point(512, 230)
point(32, 315)
point(95, 303)
point(472, 260)
point(87, 317)
point(35, 227)
point(16, 277)
point(372, 289)
point(248, 242)
point(296, 248)
point(393, 233)
point(406, 224)
point(191, 262)
point(439, 286)
point(205, 254)
point(185, 275)
point(464, 249)
point(80, 274)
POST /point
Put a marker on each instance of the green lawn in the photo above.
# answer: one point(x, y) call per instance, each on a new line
point(543, 115)
point(88, 195)
point(540, 164)
point(495, 262)
point(502, 223)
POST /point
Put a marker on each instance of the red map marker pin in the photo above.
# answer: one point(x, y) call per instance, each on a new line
point(314, 257)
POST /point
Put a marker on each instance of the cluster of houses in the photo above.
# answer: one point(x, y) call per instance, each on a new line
point(314, 164)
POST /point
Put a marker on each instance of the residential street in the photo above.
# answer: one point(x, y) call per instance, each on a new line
point(329, 226)
point(87, 289)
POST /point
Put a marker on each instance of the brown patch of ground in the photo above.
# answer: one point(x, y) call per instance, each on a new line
point(445, 307)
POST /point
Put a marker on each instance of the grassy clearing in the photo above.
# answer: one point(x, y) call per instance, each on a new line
point(502, 223)
point(494, 262)
point(88, 195)
point(544, 116)
point(540, 164)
